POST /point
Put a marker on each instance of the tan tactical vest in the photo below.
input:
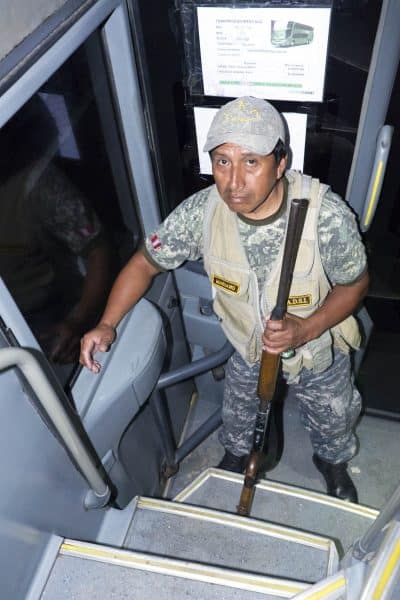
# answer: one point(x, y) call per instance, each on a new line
point(237, 300)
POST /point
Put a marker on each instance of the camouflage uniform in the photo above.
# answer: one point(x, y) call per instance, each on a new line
point(45, 225)
point(58, 207)
point(329, 405)
point(329, 416)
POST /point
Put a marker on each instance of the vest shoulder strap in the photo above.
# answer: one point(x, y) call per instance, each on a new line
point(306, 182)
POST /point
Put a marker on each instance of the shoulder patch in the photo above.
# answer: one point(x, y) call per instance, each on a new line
point(155, 242)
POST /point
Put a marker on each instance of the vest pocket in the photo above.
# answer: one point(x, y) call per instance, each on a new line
point(237, 321)
point(292, 366)
point(228, 280)
point(347, 335)
point(304, 297)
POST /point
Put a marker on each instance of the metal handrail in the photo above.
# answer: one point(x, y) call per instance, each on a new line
point(372, 536)
point(100, 491)
point(197, 367)
point(174, 455)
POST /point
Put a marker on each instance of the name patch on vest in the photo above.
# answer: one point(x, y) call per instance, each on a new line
point(304, 300)
point(225, 284)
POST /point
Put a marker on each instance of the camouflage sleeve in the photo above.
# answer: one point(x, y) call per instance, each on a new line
point(180, 236)
point(62, 210)
point(342, 250)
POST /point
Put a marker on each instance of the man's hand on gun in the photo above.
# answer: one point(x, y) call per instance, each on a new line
point(98, 339)
point(279, 336)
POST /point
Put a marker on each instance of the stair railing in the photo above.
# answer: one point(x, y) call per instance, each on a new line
point(373, 535)
point(174, 455)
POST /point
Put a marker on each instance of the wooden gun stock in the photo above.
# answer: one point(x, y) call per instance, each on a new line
point(270, 363)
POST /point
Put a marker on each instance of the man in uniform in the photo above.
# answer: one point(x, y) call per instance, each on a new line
point(238, 226)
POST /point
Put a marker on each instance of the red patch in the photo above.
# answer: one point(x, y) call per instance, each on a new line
point(155, 242)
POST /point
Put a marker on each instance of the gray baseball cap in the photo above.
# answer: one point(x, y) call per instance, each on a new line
point(249, 122)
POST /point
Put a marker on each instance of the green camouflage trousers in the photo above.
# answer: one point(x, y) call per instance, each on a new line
point(328, 402)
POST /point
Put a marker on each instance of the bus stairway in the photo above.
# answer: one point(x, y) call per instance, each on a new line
point(182, 551)
point(197, 547)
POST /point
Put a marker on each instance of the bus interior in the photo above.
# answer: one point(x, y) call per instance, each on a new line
point(109, 482)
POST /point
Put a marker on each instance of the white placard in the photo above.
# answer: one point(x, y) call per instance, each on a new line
point(272, 53)
point(297, 125)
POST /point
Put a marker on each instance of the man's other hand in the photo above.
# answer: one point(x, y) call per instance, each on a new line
point(98, 339)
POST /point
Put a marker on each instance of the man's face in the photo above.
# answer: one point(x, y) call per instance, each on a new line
point(247, 181)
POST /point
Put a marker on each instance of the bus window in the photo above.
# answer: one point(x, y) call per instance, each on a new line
point(67, 225)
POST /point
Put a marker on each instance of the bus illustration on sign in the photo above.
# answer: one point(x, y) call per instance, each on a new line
point(290, 33)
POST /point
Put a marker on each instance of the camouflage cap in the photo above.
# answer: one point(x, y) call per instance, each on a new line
point(249, 122)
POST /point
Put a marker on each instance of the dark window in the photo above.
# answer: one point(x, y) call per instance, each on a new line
point(67, 216)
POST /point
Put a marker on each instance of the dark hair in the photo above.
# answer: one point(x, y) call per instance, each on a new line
point(279, 151)
point(26, 136)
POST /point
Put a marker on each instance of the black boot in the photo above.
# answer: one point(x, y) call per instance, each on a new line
point(231, 462)
point(337, 479)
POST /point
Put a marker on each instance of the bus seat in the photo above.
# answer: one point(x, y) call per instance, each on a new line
point(128, 376)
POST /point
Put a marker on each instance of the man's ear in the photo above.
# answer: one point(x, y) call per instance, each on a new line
point(282, 167)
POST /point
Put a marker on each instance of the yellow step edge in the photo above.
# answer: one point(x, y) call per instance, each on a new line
point(184, 569)
point(248, 524)
point(275, 486)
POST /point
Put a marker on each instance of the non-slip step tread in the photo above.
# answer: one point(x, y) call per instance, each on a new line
point(90, 572)
point(229, 541)
point(282, 504)
point(73, 578)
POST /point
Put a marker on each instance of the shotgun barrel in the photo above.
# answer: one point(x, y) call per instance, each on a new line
point(269, 365)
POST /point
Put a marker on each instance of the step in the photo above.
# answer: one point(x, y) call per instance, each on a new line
point(85, 571)
point(283, 504)
point(208, 536)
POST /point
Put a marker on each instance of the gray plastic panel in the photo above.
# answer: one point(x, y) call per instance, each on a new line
point(201, 330)
point(109, 401)
point(381, 75)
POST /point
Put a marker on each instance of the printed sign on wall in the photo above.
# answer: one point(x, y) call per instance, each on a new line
point(273, 53)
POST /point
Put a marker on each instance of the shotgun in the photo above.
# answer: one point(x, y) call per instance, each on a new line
point(270, 363)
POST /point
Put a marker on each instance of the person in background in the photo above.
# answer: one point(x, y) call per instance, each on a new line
point(54, 254)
